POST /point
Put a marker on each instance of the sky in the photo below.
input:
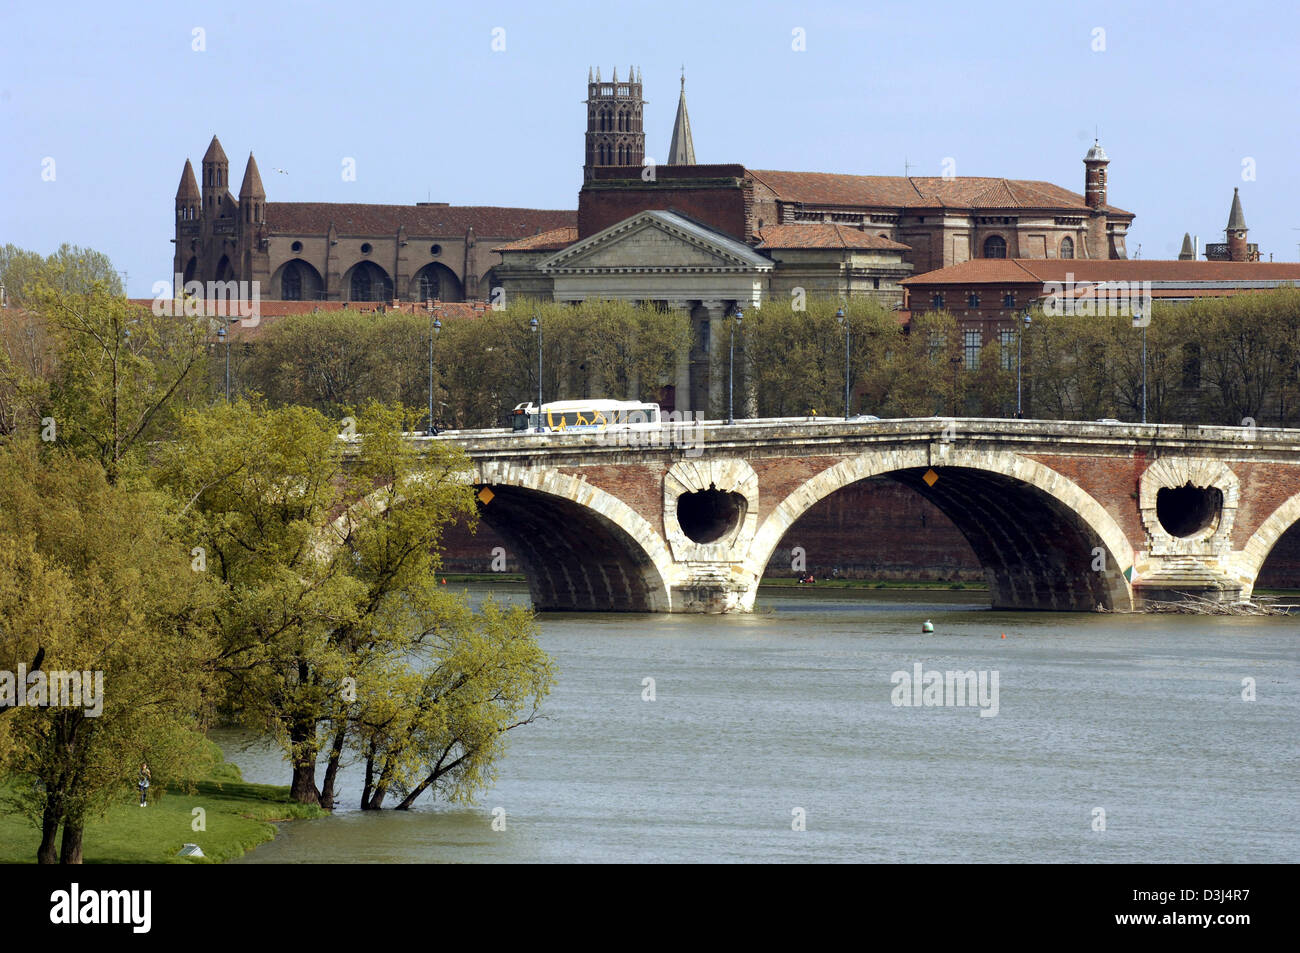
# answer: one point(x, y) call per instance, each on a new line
point(481, 104)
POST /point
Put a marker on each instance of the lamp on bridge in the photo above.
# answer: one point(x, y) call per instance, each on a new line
point(839, 316)
point(536, 325)
point(434, 330)
point(731, 365)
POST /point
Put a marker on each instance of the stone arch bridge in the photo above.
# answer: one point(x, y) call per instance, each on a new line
point(1065, 516)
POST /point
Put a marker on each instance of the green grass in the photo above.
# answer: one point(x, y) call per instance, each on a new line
point(238, 818)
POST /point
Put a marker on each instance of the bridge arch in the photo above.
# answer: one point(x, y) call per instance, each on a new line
point(1257, 549)
point(1008, 507)
point(583, 549)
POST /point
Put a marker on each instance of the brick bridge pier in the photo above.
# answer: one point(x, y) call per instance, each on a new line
point(1065, 516)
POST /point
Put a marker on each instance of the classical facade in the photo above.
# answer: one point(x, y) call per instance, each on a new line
point(307, 251)
point(709, 238)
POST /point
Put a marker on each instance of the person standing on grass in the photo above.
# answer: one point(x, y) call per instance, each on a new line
point(144, 783)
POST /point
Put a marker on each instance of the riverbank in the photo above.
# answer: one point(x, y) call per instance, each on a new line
point(237, 816)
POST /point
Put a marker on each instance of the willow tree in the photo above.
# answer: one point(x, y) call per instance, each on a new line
point(326, 551)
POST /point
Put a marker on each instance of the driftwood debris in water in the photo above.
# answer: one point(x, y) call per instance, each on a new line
point(1190, 604)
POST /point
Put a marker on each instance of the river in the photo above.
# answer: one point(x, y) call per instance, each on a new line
point(785, 718)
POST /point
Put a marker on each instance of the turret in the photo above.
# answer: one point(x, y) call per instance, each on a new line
point(188, 200)
point(252, 196)
point(216, 177)
point(1094, 177)
point(1236, 231)
point(1188, 252)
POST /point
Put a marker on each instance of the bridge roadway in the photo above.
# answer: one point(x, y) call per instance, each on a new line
point(1062, 515)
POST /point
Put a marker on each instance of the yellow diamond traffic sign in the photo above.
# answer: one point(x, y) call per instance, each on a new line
point(485, 496)
point(930, 477)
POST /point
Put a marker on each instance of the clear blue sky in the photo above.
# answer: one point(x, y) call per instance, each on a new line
point(117, 97)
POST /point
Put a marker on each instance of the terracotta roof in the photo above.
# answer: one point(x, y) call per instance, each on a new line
point(824, 236)
point(441, 221)
point(553, 240)
point(896, 191)
point(189, 187)
point(1039, 270)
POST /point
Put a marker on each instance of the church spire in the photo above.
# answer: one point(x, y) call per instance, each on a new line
point(682, 149)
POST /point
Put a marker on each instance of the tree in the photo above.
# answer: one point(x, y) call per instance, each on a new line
point(327, 554)
point(94, 579)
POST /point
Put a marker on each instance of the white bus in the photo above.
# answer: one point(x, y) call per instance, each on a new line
point(579, 416)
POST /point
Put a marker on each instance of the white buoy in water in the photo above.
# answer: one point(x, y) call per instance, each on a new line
point(927, 626)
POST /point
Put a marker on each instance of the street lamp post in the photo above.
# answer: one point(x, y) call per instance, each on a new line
point(731, 366)
point(1025, 321)
point(537, 328)
point(434, 330)
point(222, 337)
point(1144, 373)
point(839, 316)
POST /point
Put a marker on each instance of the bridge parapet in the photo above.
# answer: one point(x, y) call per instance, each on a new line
point(1063, 515)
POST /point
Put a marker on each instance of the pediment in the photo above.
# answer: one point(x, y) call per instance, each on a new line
point(655, 242)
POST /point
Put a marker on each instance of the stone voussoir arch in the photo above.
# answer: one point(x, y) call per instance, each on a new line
point(553, 482)
point(878, 463)
point(1250, 560)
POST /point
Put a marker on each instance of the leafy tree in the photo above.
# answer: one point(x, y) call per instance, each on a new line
point(327, 553)
point(95, 579)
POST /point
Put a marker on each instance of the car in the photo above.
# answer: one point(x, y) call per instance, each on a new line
point(859, 418)
point(1108, 420)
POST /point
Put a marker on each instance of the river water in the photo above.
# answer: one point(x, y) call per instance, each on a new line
point(784, 718)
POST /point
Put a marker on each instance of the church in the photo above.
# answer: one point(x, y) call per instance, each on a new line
point(338, 251)
point(709, 238)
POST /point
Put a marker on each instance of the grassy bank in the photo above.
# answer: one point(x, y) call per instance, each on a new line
point(237, 816)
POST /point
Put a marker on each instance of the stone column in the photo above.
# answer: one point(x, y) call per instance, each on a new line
point(715, 385)
point(682, 382)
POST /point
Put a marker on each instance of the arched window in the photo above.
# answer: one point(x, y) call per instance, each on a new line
point(361, 285)
point(995, 246)
point(429, 285)
point(1067, 247)
point(291, 283)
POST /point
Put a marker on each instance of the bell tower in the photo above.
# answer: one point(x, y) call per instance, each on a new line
point(615, 131)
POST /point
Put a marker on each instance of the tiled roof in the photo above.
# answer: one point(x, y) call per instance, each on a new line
point(1039, 270)
point(896, 191)
point(553, 240)
point(824, 236)
point(437, 221)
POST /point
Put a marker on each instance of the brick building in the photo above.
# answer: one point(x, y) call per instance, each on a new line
point(986, 296)
point(334, 251)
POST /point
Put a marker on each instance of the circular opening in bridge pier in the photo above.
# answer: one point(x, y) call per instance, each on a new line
point(1187, 510)
point(708, 515)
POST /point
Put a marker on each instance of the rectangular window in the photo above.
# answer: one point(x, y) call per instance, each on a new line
point(1008, 341)
point(971, 343)
point(936, 302)
point(972, 300)
point(1009, 299)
